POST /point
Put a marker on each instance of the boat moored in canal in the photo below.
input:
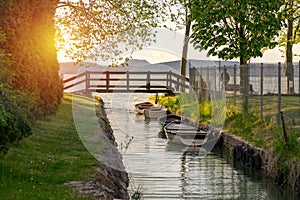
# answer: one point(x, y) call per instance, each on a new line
point(181, 132)
point(153, 113)
point(140, 107)
point(164, 120)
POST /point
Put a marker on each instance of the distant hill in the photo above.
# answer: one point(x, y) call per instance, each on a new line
point(141, 65)
point(72, 68)
point(68, 68)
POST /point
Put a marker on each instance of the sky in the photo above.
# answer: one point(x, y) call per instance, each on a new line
point(168, 47)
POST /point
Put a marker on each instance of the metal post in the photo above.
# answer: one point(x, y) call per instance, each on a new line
point(192, 78)
point(207, 80)
point(279, 92)
point(234, 84)
point(247, 87)
point(199, 85)
point(261, 90)
point(215, 80)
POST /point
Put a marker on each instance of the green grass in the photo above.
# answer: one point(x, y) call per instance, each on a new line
point(39, 165)
point(264, 132)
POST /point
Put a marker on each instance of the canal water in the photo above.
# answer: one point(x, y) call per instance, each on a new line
point(159, 170)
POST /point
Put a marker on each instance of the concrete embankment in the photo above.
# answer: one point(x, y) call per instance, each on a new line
point(109, 183)
point(258, 158)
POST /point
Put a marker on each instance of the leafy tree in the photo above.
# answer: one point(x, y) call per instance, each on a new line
point(289, 37)
point(15, 108)
point(235, 29)
point(105, 29)
point(178, 14)
point(28, 26)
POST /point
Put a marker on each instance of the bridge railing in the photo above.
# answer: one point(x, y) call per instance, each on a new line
point(129, 81)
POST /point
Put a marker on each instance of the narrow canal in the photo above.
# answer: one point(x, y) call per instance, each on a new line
point(163, 171)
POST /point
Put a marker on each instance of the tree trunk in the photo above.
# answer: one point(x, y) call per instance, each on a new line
point(244, 82)
point(243, 76)
point(183, 61)
point(288, 68)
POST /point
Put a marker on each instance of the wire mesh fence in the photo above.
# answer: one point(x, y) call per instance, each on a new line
point(265, 88)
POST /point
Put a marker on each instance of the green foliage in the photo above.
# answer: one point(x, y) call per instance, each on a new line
point(170, 102)
point(280, 145)
point(29, 41)
point(106, 29)
point(39, 166)
point(205, 109)
point(291, 12)
point(15, 117)
point(184, 104)
point(235, 29)
point(15, 107)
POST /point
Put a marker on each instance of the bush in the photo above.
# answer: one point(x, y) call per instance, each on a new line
point(15, 106)
point(15, 116)
point(29, 32)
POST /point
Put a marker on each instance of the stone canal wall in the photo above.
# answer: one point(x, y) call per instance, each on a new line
point(258, 158)
point(108, 183)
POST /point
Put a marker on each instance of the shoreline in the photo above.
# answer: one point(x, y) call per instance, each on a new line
point(108, 183)
point(284, 172)
point(258, 158)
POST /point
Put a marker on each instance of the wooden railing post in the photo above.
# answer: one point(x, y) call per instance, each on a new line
point(87, 81)
point(148, 86)
point(107, 80)
point(127, 80)
point(167, 80)
point(177, 84)
point(170, 80)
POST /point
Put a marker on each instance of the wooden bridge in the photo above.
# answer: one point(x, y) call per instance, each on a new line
point(127, 82)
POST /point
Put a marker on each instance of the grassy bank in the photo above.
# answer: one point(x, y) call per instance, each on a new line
point(39, 165)
point(265, 133)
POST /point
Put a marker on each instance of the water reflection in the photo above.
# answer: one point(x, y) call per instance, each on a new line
point(166, 171)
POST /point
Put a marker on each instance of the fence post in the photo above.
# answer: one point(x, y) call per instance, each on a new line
point(127, 80)
point(87, 81)
point(247, 86)
point(192, 78)
point(167, 80)
point(234, 84)
point(170, 80)
point(148, 85)
point(279, 92)
point(299, 80)
point(107, 80)
point(207, 81)
point(215, 80)
point(199, 85)
point(261, 90)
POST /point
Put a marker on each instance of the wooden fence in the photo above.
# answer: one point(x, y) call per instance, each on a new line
point(124, 82)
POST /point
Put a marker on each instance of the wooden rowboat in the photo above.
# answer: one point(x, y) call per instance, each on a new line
point(153, 113)
point(140, 107)
point(181, 132)
point(164, 120)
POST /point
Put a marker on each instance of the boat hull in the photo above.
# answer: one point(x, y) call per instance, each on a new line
point(140, 107)
point(164, 120)
point(185, 133)
point(154, 113)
